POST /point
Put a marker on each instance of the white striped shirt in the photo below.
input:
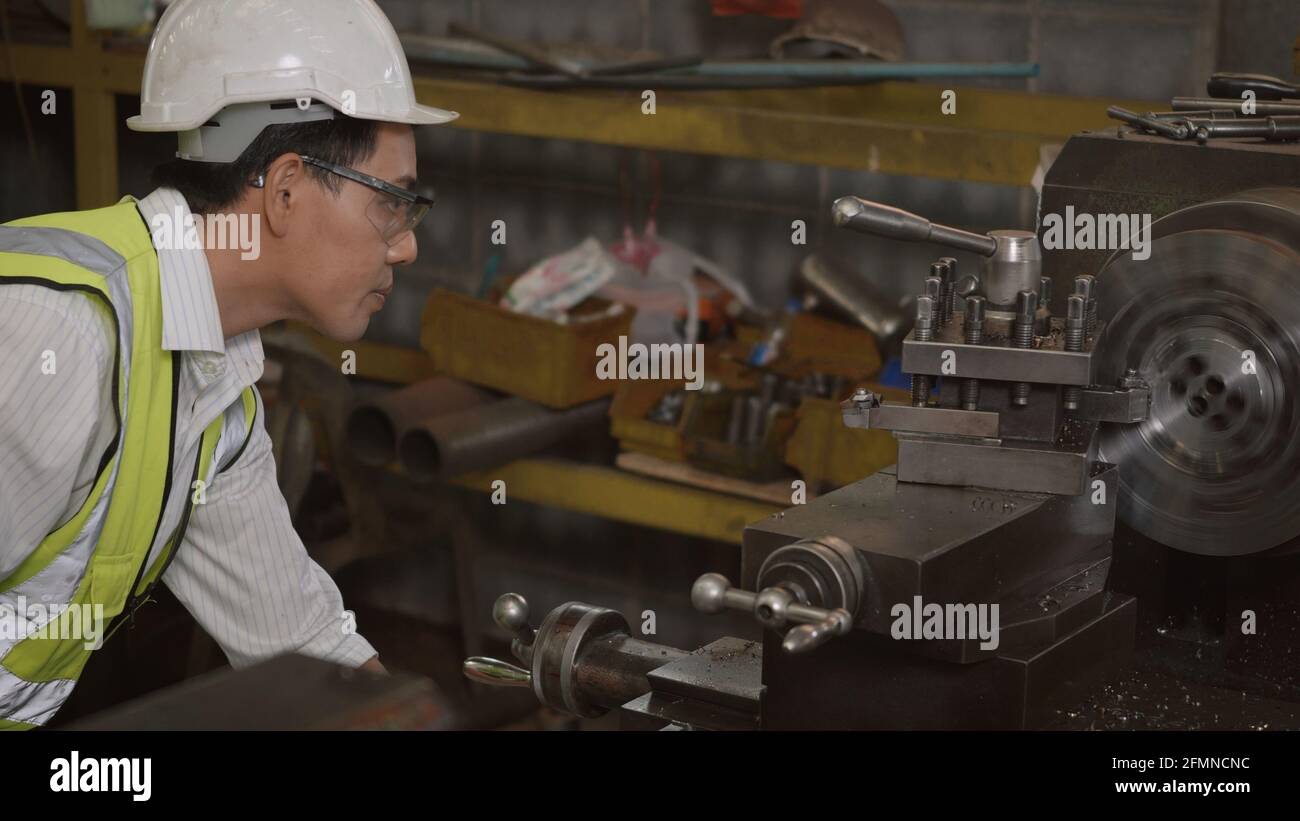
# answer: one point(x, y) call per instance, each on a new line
point(242, 570)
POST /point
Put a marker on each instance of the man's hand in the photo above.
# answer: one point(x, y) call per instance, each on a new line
point(374, 666)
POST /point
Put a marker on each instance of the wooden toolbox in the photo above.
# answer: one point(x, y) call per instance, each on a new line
point(538, 359)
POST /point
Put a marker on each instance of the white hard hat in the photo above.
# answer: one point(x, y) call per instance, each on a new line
point(245, 55)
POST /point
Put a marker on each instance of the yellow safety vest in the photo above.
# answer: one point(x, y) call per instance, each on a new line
point(98, 557)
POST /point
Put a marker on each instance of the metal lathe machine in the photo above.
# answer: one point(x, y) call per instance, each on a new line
point(1099, 463)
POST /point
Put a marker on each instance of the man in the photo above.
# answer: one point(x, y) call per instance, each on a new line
point(132, 443)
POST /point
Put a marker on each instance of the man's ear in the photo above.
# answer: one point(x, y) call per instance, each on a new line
point(283, 192)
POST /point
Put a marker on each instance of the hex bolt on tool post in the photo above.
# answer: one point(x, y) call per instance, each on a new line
point(950, 296)
point(943, 272)
point(924, 332)
point(934, 290)
point(974, 335)
point(1085, 285)
point(1075, 328)
point(1023, 337)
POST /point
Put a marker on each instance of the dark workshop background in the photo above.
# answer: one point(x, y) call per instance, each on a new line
point(553, 193)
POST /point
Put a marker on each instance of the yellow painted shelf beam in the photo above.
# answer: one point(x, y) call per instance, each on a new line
point(889, 127)
point(616, 494)
point(374, 360)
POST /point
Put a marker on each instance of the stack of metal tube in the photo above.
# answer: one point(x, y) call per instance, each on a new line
point(444, 427)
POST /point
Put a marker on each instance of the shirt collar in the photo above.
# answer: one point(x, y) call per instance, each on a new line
point(191, 320)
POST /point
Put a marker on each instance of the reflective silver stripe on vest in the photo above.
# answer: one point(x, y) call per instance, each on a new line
point(80, 249)
point(57, 582)
point(32, 702)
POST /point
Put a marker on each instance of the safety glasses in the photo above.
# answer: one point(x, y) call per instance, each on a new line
point(394, 211)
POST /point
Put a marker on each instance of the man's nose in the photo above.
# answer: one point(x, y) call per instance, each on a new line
point(404, 251)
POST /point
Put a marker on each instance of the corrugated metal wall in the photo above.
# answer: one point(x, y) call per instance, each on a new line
point(551, 194)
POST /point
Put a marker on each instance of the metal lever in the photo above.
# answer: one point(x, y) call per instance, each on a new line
point(807, 636)
point(1232, 86)
point(1172, 130)
point(895, 223)
point(582, 661)
point(495, 672)
point(773, 607)
point(510, 612)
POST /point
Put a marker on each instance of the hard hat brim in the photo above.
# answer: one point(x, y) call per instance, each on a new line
point(416, 115)
point(420, 115)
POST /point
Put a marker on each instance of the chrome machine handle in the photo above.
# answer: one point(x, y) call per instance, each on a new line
point(582, 661)
point(498, 673)
point(895, 223)
point(510, 612)
point(773, 607)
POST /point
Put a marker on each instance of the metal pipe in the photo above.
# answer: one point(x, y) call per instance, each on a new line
point(1174, 131)
point(476, 53)
point(736, 425)
point(855, 296)
point(488, 436)
point(855, 69)
point(1185, 104)
point(753, 420)
point(535, 56)
point(1275, 127)
point(373, 427)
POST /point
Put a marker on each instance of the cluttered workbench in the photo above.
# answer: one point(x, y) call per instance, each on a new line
point(686, 466)
point(623, 495)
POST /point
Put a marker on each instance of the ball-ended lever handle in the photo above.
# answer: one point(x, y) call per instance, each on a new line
point(773, 607)
point(887, 221)
point(510, 613)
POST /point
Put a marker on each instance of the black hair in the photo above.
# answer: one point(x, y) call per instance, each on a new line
point(208, 187)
